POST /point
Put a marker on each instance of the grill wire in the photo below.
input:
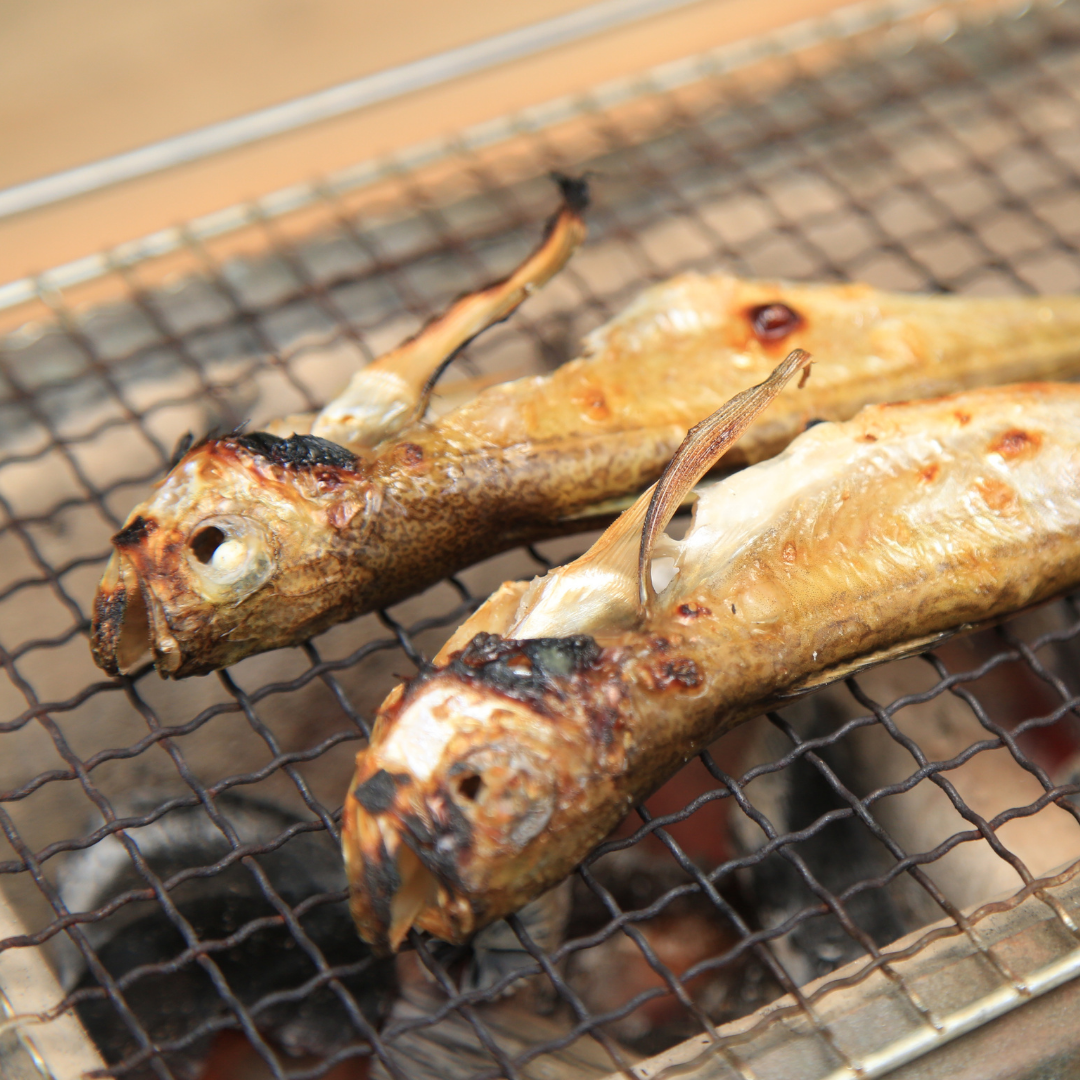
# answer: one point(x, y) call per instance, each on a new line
point(932, 152)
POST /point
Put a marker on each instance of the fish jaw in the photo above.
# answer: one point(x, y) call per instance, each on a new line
point(455, 810)
point(234, 553)
point(120, 629)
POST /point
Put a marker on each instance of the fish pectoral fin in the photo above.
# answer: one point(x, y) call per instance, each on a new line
point(474, 313)
point(912, 647)
point(393, 391)
point(704, 445)
point(611, 584)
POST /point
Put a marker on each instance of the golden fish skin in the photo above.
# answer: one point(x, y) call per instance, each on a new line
point(493, 773)
point(520, 459)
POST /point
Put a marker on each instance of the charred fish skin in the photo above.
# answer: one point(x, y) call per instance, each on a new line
point(523, 460)
point(909, 520)
point(537, 744)
point(686, 346)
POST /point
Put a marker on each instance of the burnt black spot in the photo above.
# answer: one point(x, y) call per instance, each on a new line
point(773, 322)
point(109, 611)
point(418, 828)
point(690, 610)
point(603, 720)
point(105, 627)
point(381, 881)
point(525, 670)
point(376, 794)
point(411, 454)
point(440, 850)
point(562, 657)
point(183, 445)
point(297, 451)
point(130, 534)
point(682, 671)
point(575, 191)
point(458, 826)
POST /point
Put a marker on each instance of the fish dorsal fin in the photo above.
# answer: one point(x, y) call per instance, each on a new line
point(394, 390)
point(704, 445)
point(603, 588)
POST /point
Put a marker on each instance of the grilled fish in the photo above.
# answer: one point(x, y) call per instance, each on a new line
point(563, 702)
point(254, 542)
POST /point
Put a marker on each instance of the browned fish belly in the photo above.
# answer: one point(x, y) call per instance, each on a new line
point(254, 542)
point(494, 772)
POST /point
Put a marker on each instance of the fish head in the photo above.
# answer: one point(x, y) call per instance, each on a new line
point(234, 552)
point(456, 814)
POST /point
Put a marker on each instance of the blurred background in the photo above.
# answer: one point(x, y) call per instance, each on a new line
point(81, 84)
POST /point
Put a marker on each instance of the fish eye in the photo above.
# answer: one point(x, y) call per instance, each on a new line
point(229, 553)
point(205, 542)
point(510, 788)
point(469, 786)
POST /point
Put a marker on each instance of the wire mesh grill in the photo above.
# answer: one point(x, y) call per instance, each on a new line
point(938, 151)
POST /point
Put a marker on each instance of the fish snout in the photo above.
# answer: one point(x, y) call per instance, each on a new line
point(128, 620)
point(391, 884)
point(428, 854)
point(119, 629)
point(166, 584)
point(128, 623)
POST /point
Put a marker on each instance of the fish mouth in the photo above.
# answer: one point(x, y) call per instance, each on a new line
point(392, 889)
point(128, 624)
point(417, 891)
point(390, 895)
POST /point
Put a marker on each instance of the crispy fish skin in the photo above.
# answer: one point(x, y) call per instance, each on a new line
point(523, 460)
point(686, 346)
point(492, 774)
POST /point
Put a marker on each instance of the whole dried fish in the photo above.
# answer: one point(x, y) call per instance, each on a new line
point(254, 542)
point(565, 701)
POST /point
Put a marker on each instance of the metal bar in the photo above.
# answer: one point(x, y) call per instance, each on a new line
point(325, 104)
point(938, 971)
point(858, 17)
point(30, 994)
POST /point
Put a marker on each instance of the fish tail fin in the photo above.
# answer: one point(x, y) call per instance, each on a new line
point(394, 390)
point(474, 313)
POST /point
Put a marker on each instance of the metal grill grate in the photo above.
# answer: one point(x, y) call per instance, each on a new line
point(933, 150)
